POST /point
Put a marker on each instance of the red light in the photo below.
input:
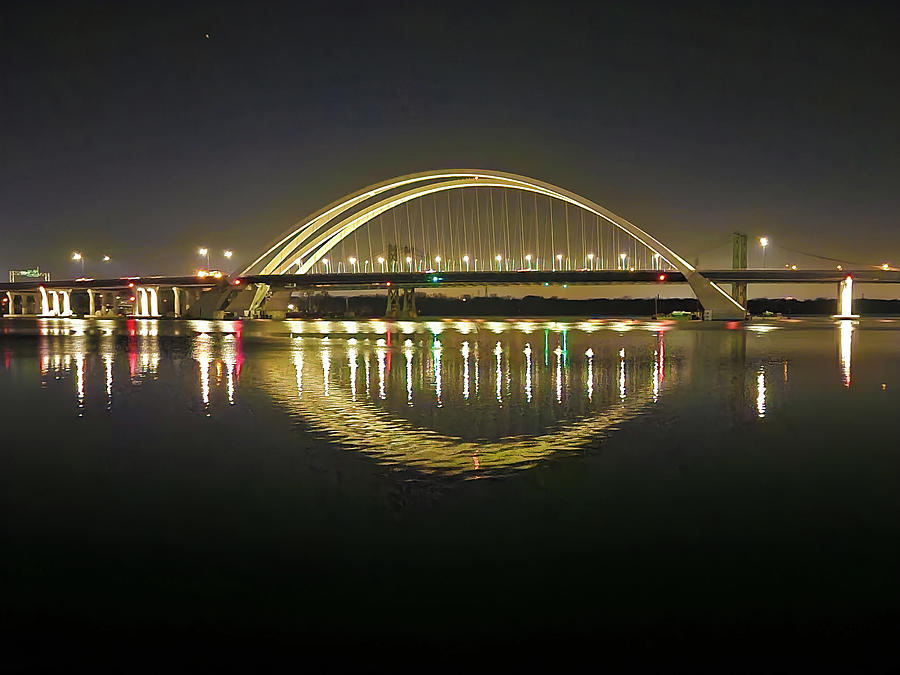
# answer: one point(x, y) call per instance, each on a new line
point(131, 299)
point(237, 282)
point(130, 284)
point(388, 283)
point(662, 277)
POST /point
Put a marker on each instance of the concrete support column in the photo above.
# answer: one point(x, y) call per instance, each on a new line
point(45, 302)
point(140, 301)
point(176, 305)
point(845, 299)
point(54, 309)
point(92, 303)
point(66, 303)
point(153, 293)
point(11, 299)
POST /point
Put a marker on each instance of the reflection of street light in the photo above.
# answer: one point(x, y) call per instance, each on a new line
point(466, 260)
point(79, 258)
point(381, 260)
point(498, 258)
point(591, 259)
point(764, 242)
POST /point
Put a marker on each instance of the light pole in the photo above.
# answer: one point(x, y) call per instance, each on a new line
point(466, 261)
point(623, 257)
point(528, 258)
point(381, 261)
point(409, 262)
point(591, 261)
point(437, 259)
point(366, 266)
point(76, 256)
point(559, 260)
point(498, 258)
point(353, 264)
point(204, 251)
point(656, 257)
point(327, 268)
point(764, 242)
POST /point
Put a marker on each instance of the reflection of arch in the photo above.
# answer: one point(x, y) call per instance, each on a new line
point(394, 440)
point(312, 237)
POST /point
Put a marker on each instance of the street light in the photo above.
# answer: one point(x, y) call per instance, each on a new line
point(409, 262)
point(559, 260)
point(656, 258)
point(353, 264)
point(498, 258)
point(528, 258)
point(437, 259)
point(204, 252)
point(591, 259)
point(79, 258)
point(623, 257)
point(106, 258)
point(381, 260)
point(466, 261)
point(327, 268)
point(764, 242)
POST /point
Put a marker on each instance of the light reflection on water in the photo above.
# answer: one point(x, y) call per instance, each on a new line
point(426, 409)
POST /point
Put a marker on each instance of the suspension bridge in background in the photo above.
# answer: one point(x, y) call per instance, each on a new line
point(448, 228)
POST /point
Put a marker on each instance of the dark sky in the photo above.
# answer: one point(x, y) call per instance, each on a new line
point(125, 131)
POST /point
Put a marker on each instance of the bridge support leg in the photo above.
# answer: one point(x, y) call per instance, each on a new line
point(153, 293)
point(401, 303)
point(176, 301)
point(408, 308)
point(54, 310)
point(11, 304)
point(393, 303)
point(92, 303)
point(66, 303)
point(45, 302)
point(845, 300)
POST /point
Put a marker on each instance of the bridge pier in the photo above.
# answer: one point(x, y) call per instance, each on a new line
point(845, 299)
point(401, 303)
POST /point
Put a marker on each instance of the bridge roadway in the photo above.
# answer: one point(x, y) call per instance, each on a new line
point(381, 280)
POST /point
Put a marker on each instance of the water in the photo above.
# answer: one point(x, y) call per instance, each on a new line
point(451, 484)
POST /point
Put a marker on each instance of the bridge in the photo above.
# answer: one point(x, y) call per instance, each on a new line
point(452, 228)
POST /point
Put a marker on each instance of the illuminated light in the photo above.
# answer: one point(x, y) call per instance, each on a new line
point(237, 282)
point(228, 254)
point(885, 266)
point(130, 284)
point(839, 267)
point(434, 279)
point(763, 241)
point(131, 299)
point(76, 256)
point(203, 251)
point(217, 274)
point(661, 277)
point(793, 267)
point(846, 347)
point(106, 258)
point(290, 307)
point(202, 274)
point(408, 343)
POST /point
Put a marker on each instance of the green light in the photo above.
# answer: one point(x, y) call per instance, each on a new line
point(546, 283)
point(435, 279)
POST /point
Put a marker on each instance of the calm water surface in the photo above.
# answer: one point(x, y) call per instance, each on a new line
point(450, 483)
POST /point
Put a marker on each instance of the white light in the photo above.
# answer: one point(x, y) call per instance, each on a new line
point(437, 259)
point(590, 256)
point(498, 257)
point(408, 259)
point(528, 257)
point(623, 255)
point(763, 241)
point(203, 251)
point(559, 256)
point(76, 256)
point(465, 258)
point(380, 259)
point(228, 254)
point(352, 261)
point(106, 258)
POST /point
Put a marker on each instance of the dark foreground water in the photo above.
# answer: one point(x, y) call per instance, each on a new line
point(430, 489)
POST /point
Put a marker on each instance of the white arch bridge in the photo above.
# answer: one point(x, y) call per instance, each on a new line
point(471, 221)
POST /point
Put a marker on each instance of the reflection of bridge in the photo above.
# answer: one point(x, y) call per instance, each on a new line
point(449, 227)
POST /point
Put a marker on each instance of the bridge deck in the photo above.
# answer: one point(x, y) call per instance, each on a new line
point(381, 280)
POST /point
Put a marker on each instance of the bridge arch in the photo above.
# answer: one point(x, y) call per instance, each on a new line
point(311, 239)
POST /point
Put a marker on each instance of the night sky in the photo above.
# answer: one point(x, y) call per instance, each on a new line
point(126, 131)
